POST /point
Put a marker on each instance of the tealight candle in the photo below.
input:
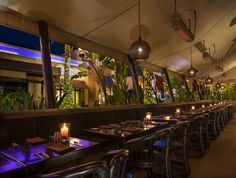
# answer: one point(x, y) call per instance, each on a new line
point(167, 117)
point(210, 105)
point(193, 108)
point(177, 110)
point(203, 106)
point(64, 130)
point(148, 115)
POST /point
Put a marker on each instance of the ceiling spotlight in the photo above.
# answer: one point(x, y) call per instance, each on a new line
point(208, 80)
point(140, 49)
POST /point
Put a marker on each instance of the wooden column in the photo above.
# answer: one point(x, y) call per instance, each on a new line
point(197, 88)
point(135, 80)
point(169, 84)
point(47, 66)
point(186, 85)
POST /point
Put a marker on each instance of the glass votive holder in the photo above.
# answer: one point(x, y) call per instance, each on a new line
point(192, 108)
point(178, 112)
point(203, 107)
point(64, 131)
point(167, 118)
point(148, 115)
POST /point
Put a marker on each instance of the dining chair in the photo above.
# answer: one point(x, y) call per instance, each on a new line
point(222, 119)
point(116, 161)
point(195, 143)
point(206, 138)
point(96, 169)
point(151, 153)
point(212, 126)
point(179, 162)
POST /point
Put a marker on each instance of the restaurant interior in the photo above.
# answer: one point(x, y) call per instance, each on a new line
point(117, 89)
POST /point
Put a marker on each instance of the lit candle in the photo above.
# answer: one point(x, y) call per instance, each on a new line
point(177, 110)
point(193, 108)
point(203, 106)
point(210, 105)
point(167, 117)
point(148, 115)
point(64, 131)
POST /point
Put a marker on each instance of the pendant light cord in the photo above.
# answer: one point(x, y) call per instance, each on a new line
point(191, 56)
point(208, 70)
point(123, 11)
point(139, 19)
point(175, 8)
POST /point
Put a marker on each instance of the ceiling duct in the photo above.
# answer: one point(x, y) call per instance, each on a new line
point(206, 55)
point(183, 30)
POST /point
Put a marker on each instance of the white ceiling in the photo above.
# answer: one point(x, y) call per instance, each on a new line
point(168, 50)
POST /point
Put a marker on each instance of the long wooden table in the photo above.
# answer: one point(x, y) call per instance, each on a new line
point(124, 131)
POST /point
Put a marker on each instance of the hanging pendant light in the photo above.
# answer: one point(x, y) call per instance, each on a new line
point(192, 71)
point(218, 85)
point(208, 80)
point(139, 50)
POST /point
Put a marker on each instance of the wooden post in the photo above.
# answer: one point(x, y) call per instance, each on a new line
point(135, 80)
point(169, 84)
point(47, 66)
point(197, 87)
point(186, 85)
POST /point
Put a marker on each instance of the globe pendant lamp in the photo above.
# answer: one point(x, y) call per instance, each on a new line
point(139, 50)
point(192, 71)
point(218, 85)
point(208, 80)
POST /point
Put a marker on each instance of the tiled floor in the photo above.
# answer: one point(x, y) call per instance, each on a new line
point(220, 158)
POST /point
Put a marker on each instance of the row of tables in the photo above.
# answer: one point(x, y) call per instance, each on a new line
point(29, 159)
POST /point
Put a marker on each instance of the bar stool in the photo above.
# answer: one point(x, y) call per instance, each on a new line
point(179, 161)
point(96, 169)
point(151, 153)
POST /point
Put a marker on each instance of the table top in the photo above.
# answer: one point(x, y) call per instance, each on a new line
point(7, 165)
point(126, 130)
point(38, 157)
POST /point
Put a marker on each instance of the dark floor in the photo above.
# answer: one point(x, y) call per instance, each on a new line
point(220, 158)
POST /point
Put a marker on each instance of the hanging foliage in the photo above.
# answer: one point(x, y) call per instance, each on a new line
point(150, 96)
point(68, 100)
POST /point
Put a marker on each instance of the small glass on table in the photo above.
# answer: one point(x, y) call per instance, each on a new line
point(178, 113)
point(148, 118)
point(193, 109)
point(203, 107)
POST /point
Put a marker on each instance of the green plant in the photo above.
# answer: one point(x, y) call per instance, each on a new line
point(19, 101)
point(149, 93)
